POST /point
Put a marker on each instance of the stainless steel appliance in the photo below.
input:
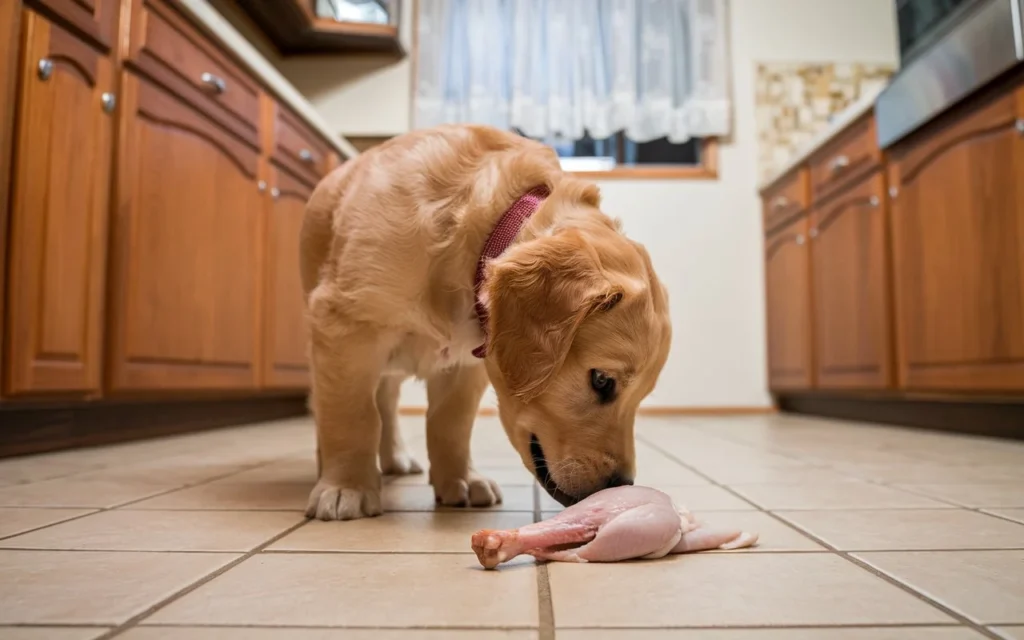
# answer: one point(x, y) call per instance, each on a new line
point(950, 48)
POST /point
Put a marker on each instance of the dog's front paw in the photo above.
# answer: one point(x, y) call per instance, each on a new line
point(331, 502)
point(473, 490)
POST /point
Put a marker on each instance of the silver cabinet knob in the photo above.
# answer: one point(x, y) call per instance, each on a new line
point(780, 203)
point(216, 83)
point(1019, 125)
point(838, 164)
point(306, 156)
point(893, 192)
point(873, 201)
point(813, 233)
point(44, 69)
point(109, 102)
point(275, 193)
point(261, 186)
point(800, 239)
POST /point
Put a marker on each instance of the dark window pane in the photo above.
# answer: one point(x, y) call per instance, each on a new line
point(661, 151)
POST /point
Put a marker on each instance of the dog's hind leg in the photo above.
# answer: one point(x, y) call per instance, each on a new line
point(395, 459)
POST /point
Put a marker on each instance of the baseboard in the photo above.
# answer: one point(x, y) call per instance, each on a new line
point(1001, 419)
point(39, 428)
point(643, 411)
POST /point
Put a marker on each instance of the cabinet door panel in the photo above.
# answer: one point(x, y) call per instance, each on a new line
point(97, 19)
point(787, 271)
point(287, 332)
point(187, 255)
point(59, 215)
point(958, 248)
point(851, 299)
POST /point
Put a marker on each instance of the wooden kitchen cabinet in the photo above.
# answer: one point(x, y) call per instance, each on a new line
point(849, 266)
point(788, 291)
point(286, 364)
point(97, 19)
point(58, 214)
point(186, 251)
point(958, 250)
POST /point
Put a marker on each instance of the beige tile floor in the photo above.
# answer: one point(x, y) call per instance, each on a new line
point(866, 532)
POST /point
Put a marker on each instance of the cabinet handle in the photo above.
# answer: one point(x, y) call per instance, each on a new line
point(838, 164)
point(275, 193)
point(261, 186)
point(44, 69)
point(800, 239)
point(109, 102)
point(874, 201)
point(893, 192)
point(306, 156)
point(1019, 125)
point(780, 203)
point(813, 233)
point(214, 82)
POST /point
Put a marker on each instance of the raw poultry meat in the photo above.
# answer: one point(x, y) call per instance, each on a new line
point(620, 523)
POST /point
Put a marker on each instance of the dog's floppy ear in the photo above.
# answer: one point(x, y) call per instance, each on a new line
point(538, 294)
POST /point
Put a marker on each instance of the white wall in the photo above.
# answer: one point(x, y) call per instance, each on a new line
point(705, 236)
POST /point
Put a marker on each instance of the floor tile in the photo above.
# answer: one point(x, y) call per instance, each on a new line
point(255, 633)
point(229, 495)
point(710, 498)
point(362, 590)
point(746, 474)
point(67, 492)
point(1011, 633)
point(846, 495)
point(13, 521)
point(923, 529)
point(934, 473)
point(772, 534)
point(974, 495)
point(420, 532)
point(93, 587)
point(731, 590)
point(985, 586)
point(421, 498)
point(51, 633)
point(161, 531)
point(875, 633)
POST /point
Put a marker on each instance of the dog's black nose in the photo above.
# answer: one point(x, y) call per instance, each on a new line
point(618, 481)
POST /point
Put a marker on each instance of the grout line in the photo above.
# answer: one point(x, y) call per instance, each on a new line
point(177, 595)
point(906, 588)
point(545, 603)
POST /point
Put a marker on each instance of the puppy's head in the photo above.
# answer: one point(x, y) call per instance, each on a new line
point(579, 331)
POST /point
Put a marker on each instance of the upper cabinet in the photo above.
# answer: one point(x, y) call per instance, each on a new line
point(58, 214)
point(958, 249)
point(95, 19)
point(324, 26)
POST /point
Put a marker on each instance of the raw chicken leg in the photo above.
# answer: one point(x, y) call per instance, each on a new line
point(615, 524)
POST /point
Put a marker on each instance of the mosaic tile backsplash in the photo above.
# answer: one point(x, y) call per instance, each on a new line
point(795, 101)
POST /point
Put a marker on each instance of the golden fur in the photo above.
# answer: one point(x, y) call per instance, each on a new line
point(389, 250)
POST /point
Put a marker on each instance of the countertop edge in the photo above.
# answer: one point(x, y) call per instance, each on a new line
point(246, 54)
point(842, 120)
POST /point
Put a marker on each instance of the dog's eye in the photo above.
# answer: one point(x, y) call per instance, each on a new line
point(601, 383)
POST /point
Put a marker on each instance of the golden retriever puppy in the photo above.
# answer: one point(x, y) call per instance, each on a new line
point(462, 255)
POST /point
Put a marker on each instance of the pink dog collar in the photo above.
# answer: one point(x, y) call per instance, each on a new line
point(501, 237)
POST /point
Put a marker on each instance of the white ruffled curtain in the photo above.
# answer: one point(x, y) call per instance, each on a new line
point(559, 68)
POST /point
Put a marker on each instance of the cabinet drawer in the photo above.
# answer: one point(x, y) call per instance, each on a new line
point(96, 19)
point(298, 149)
point(788, 297)
point(785, 199)
point(166, 47)
point(853, 153)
